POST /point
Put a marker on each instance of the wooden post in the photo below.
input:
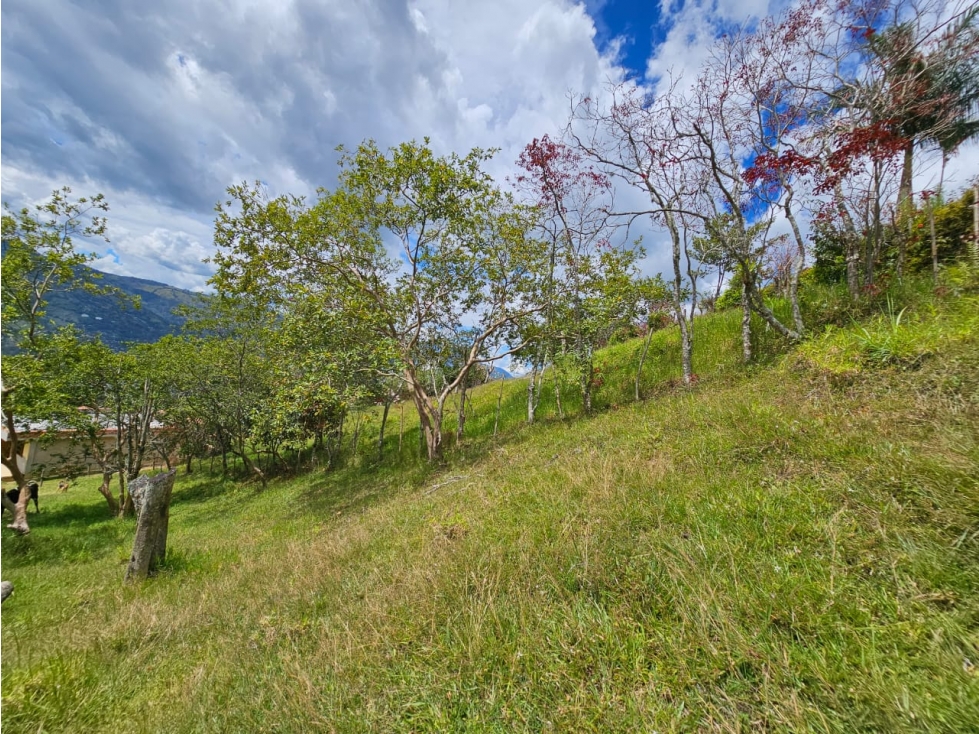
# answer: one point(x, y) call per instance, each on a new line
point(151, 496)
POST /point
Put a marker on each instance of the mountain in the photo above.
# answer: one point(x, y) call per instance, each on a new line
point(499, 373)
point(116, 321)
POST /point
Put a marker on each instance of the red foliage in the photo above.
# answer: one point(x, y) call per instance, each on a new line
point(554, 169)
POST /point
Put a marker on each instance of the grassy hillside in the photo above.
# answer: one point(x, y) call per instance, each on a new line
point(788, 548)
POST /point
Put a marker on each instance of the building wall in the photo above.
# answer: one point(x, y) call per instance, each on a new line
point(57, 457)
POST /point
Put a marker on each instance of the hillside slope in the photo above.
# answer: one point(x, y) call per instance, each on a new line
point(791, 548)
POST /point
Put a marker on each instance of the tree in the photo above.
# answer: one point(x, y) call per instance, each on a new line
point(39, 258)
point(591, 287)
point(634, 141)
point(462, 255)
point(882, 79)
point(105, 399)
point(222, 378)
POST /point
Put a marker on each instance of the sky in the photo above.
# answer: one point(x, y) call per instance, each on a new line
point(162, 105)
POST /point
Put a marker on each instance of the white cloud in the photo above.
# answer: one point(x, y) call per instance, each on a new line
point(162, 106)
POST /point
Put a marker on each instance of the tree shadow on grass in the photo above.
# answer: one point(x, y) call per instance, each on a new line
point(356, 489)
point(66, 534)
point(196, 489)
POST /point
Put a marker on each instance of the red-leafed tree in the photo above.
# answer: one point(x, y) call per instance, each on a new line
point(634, 141)
point(591, 286)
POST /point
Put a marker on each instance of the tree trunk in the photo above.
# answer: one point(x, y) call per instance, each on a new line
point(401, 431)
point(759, 307)
point(461, 422)
point(975, 225)
point(686, 350)
point(106, 490)
point(137, 443)
point(251, 466)
point(745, 323)
point(642, 358)
point(125, 505)
point(384, 422)
point(499, 401)
point(152, 498)
point(19, 510)
point(531, 405)
point(934, 242)
point(686, 346)
point(429, 417)
point(557, 392)
point(904, 192)
point(9, 453)
point(586, 379)
point(852, 244)
point(799, 262)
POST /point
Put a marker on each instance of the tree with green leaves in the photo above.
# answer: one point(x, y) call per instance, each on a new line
point(39, 259)
point(410, 246)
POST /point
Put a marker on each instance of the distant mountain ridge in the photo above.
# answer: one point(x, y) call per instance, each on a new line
point(117, 322)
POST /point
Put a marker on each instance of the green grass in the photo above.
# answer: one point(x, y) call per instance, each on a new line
point(789, 548)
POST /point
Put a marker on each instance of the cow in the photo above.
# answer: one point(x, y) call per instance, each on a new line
point(14, 494)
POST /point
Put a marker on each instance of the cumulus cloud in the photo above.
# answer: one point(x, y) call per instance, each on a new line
point(163, 105)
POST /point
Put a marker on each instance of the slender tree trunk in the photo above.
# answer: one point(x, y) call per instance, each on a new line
point(745, 323)
point(586, 388)
point(531, 386)
point(429, 417)
point(124, 506)
point(499, 402)
point(877, 234)
point(401, 431)
point(251, 466)
point(686, 347)
point(905, 201)
point(384, 422)
point(798, 263)
point(852, 244)
point(461, 422)
point(759, 307)
point(557, 392)
point(137, 444)
point(975, 225)
point(10, 449)
point(934, 242)
point(19, 510)
point(642, 358)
